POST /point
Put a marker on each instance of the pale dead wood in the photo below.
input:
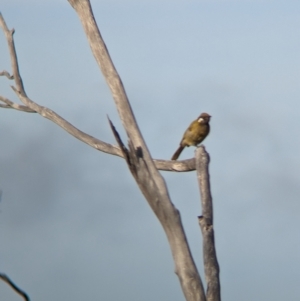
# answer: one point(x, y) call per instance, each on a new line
point(178, 166)
point(13, 56)
point(7, 280)
point(5, 73)
point(211, 266)
point(140, 162)
point(11, 105)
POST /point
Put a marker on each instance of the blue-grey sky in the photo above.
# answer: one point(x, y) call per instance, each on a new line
point(73, 224)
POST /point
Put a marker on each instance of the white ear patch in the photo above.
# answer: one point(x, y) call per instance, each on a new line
point(200, 120)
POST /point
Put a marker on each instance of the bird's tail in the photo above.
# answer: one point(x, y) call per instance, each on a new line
point(178, 152)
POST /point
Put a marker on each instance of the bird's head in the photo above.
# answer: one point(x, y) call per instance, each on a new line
point(203, 118)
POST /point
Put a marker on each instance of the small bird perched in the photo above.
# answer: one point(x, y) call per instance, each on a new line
point(195, 134)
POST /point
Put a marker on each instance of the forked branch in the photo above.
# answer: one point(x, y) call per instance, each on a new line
point(32, 107)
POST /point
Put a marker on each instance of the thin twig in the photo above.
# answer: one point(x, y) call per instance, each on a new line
point(14, 287)
point(13, 55)
point(12, 105)
point(5, 73)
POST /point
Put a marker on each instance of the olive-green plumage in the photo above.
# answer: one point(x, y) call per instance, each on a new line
point(195, 134)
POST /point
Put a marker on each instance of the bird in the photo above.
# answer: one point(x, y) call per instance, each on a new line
point(195, 134)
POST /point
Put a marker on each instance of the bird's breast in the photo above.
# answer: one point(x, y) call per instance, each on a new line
point(195, 134)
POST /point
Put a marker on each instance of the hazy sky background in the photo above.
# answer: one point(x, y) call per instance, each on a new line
point(73, 224)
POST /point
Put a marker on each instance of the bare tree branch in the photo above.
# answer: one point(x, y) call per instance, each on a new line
point(5, 73)
point(211, 265)
point(14, 287)
point(178, 166)
point(12, 105)
point(13, 55)
point(140, 162)
point(49, 114)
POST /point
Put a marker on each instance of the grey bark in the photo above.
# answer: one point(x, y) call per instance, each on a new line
point(211, 266)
